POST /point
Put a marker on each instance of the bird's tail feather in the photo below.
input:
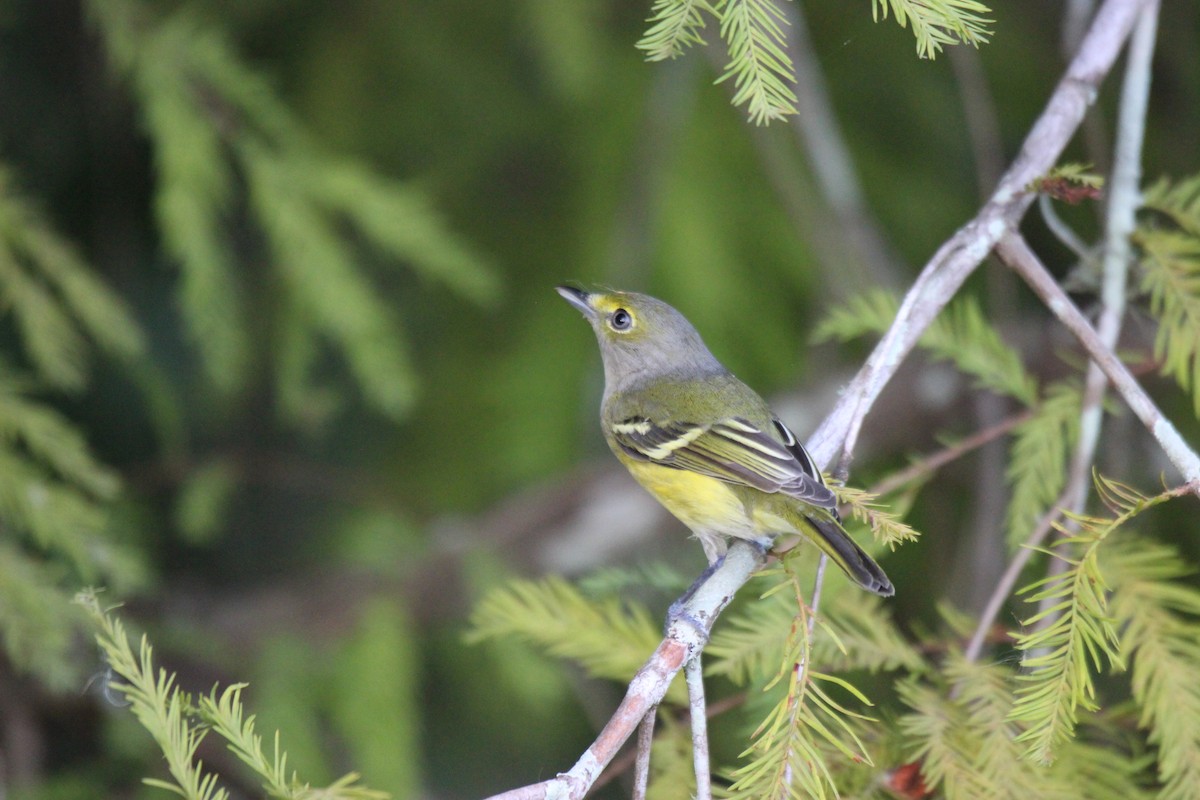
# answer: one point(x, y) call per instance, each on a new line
point(862, 569)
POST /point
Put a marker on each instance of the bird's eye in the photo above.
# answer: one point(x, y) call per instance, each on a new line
point(620, 320)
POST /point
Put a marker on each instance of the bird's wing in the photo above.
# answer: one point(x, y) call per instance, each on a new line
point(732, 450)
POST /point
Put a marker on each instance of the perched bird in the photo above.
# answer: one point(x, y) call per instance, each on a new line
point(702, 442)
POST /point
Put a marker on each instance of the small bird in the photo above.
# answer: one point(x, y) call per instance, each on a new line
point(703, 443)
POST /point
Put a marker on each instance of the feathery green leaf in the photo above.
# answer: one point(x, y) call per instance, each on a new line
point(1159, 621)
point(788, 755)
point(672, 772)
point(961, 335)
point(1038, 458)
point(943, 743)
point(37, 621)
point(886, 527)
point(869, 312)
point(329, 293)
point(216, 125)
point(1179, 202)
point(164, 711)
point(676, 25)
point(1074, 634)
point(759, 64)
point(227, 717)
point(964, 337)
point(1170, 267)
point(609, 637)
point(938, 22)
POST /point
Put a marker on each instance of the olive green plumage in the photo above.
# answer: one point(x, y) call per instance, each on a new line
point(702, 442)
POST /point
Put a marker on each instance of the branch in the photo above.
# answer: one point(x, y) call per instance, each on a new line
point(682, 643)
point(924, 466)
point(838, 434)
point(1123, 200)
point(1004, 587)
point(694, 673)
point(1015, 252)
point(963, 252)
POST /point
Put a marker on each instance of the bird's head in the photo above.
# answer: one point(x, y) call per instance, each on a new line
point(641, 338)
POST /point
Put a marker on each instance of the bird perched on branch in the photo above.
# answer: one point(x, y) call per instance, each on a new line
point(705, 444)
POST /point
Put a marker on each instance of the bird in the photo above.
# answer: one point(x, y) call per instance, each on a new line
point(703, 443)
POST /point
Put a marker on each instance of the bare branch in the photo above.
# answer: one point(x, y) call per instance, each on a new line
point(683, 642)
point(694, 673)
point(963, 252)
point(938, 282)
point(1014, 252)
point(641, 768)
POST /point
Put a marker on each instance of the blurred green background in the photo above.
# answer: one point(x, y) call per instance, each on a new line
point(327, 548)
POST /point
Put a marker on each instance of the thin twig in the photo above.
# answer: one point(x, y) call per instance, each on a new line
point(963, 252)
point(1065, 234)
point(1015, 252)
point(1008, 580)
point(684, 640)
point(801, 666)
point(1123, 201)
point(1124, 198)
point(645, 741)
point(938, 282)
point(694, 673)
point(934, 461)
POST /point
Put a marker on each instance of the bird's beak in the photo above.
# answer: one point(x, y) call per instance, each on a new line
point(577, 298)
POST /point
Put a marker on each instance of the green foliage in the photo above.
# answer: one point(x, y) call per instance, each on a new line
point(1074, 633)
point(787, 757)
point(856, 633)
point(1178, 202)
point(870, 312)
point(164, 711)
point(944, 743)
point(758, 60)
point(961, 731)
point(178, 725)
point(53, 491)
point(759, 63)
point(938, 22)
point(1158, 618)
point(672, 772)
point(748, 645)
point(861, 633)
point(37, 620)
point(658, 576)
point(963, 336)
point(1037, 461)
point(56, 301)
point(885, 525)
point(676, 25)
point(215, 125)
point(608, 637)
point(960, 335)
point(1170, 267)
point(203, 499)
point(373, 696)
point(1071, 183)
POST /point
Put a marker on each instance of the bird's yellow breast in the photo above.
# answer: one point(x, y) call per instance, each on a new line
point(704, 504)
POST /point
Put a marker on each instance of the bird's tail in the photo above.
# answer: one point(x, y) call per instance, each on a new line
point(837, 544)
